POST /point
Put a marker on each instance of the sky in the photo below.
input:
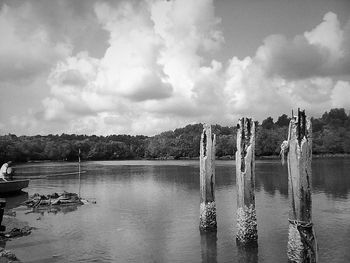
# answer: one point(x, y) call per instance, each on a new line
point(148, 66)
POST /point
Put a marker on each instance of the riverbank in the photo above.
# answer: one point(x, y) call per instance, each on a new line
point(14, 229)
point(168, 158)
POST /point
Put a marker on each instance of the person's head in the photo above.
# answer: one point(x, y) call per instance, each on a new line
point(9, 163)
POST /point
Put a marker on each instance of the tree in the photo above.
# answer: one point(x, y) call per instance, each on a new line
point(317, 125)
point(283, 120)
point(267, 123)
point(331, 134)
point(335, 117)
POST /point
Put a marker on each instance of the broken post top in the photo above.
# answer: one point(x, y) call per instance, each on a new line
point(300, 127)
point(245, 130)
point(245, 134)
point(206, 144)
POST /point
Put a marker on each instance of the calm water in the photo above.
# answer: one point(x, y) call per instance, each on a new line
point(148, 211)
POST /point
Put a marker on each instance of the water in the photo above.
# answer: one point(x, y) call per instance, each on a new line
point(148, 211)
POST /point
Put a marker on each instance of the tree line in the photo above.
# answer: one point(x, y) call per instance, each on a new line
point(331, 135)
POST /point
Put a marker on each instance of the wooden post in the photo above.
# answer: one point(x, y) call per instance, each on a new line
point(302, 245)
point(2, 208)
point(207, 180)
point(245, 180)
point(79, 174)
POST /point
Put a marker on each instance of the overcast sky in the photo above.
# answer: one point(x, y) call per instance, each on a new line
point(143, 67)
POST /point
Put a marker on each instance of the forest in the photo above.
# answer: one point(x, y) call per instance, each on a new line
point(331, 135)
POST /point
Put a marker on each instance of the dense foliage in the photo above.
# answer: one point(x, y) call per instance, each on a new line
point(331, 134)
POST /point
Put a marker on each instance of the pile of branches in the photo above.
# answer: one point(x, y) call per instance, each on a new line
point(46, 201)
point(7, 256)
point(16, 232)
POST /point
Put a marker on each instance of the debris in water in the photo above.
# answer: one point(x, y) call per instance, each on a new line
point(8, 256)
point(44, 201)
point(53, 203)
point(19, 232)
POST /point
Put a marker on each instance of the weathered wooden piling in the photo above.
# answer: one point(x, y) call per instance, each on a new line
point(302, 245)
point(2, 208)
point(79, 152)
point(245, 180)
point(207, 180)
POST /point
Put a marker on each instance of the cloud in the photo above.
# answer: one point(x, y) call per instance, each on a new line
point(250, 92)
point(186, 29)
point(25, 52)
point(72, 77)
point(155, 73)
point(253, 92)
point(74, 90)
point(155, 70)
point(291, 73)
point(323, 51)
point(341, 94)
point(293, 59)
point(152, 68)
point(328, 35)
point(129, 67)
point(72, 22)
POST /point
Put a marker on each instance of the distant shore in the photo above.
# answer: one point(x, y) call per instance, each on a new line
point(222, 158)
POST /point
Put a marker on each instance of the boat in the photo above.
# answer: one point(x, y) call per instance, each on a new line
point(12, 186)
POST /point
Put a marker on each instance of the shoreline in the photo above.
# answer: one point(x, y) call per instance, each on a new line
point(15, 228)
point(223, 158)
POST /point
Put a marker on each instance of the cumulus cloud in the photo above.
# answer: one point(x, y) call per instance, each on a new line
point(129, 67)
point(25, 53)
point(151, 69)
point(341, 94)
point(323, 51)
point(186, 28)
point(328, 35)
point(155, 73)
point(155, 70)
point(291, 73)
point(28, 51)
point(74, 90)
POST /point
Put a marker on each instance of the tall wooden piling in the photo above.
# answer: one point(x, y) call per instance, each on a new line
point(79, 152)
point(302, 245)
point(2, 208)
point(207, 180)
point(245, 180)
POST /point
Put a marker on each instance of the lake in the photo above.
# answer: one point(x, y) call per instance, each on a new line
point(148, 211)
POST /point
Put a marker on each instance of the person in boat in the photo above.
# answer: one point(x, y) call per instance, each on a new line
point(6, 171)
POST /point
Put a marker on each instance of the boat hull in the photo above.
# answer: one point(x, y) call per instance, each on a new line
point(13, 186)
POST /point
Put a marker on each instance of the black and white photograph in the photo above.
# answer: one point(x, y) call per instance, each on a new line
point(156, 131)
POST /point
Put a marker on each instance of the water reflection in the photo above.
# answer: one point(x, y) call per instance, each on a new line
point(149, 213)
point(248, 253)
point(55, 209)
point(328, 175)
point(15, 200)
point(209, 247)
point(331, 176)
point(12, 201)
point(272, 176)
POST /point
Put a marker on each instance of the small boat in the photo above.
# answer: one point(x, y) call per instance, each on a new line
point(12, 186)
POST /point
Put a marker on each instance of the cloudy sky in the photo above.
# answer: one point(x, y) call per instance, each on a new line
point(142, 67)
